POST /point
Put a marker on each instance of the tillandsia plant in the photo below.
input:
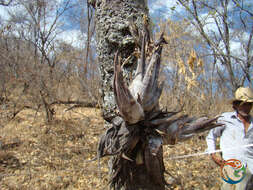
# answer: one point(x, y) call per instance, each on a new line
point(142, 128)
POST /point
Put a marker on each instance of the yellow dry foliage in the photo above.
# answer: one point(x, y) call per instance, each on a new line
point(145, 20)
point(200, 64)
point(181, 69)
point(191, 82)
point(203, 96)
point(191, 73)
point(191, 60)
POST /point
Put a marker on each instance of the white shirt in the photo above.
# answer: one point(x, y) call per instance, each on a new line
point(232, 139)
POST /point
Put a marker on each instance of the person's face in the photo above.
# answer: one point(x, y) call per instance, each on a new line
point(244, 108)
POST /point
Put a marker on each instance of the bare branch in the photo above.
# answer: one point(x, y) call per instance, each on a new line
point(216, 38)
point(4, 3)
point(249, 58)
point(237, 3)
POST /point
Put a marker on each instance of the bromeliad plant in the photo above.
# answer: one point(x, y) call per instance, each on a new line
point(142, 128)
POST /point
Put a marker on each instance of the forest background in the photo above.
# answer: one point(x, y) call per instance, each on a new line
point(50, 90)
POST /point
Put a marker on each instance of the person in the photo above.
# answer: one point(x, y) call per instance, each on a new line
point(236, 136)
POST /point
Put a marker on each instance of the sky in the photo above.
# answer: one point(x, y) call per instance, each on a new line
point(3, 12)
point(158, 9)
point(71, 34)
point(163, 9)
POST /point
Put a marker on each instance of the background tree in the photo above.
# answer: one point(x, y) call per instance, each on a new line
point(227, 28)
point(45, 69)
point(188, 72)
point(37, 24)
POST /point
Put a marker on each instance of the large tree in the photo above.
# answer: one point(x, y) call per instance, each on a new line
point(139, 127)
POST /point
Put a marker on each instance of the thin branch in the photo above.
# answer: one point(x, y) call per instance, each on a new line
point(3, 3)
point(72, 102)
point(89, 17)
point(242, 8)
point(224, 32)
point(248, 63)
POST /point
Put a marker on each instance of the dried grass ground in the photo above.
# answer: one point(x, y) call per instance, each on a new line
point(35, 155)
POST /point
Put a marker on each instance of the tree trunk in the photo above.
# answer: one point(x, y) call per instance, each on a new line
point(136, 134)
point(113, 34)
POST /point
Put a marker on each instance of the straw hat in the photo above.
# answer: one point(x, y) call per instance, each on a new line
point(244, 94)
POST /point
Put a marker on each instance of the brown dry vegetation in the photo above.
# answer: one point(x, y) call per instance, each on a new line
point(38, 151)
point(36, 155)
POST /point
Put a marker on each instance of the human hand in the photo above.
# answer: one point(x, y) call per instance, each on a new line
point(218, 159)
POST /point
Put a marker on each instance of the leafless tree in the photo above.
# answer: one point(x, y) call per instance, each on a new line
point(222, 23)
point(39, 61)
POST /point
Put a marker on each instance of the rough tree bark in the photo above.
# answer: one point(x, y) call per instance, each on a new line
point(112, 34)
